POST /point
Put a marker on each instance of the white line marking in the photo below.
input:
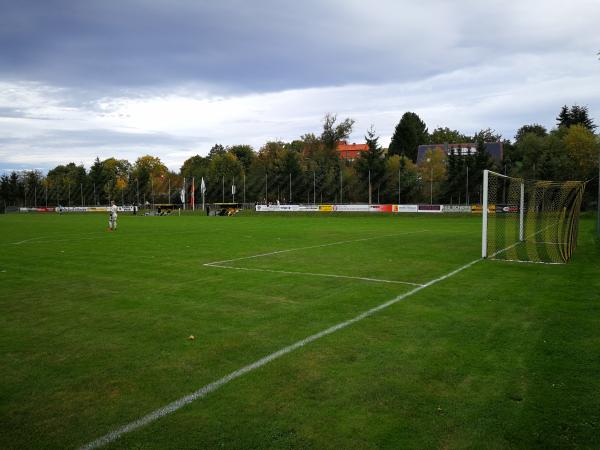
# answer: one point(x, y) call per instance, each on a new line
point(102, 234)
point(376, 280)
point(312, 246)
point(528, 262)
point(207, 389)
point(26, 240)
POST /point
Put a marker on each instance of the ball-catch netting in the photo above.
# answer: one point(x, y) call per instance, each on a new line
point(530, 220)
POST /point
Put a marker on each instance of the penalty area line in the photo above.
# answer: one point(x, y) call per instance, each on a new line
point(260, 255)
point(211, 387)
point(312, 274)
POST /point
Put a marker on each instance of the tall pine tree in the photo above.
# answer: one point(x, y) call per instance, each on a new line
point(576, 115)
point(371, 164)
point(410, 132)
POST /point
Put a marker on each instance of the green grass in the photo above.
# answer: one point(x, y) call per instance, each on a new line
point(93, 330)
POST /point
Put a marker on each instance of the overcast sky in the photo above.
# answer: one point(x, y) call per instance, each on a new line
point(170, 78)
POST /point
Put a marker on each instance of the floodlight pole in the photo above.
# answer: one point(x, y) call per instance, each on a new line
point(314, 187)
point(341, 187)
point(431, 186)
point(399, 178)
point(430, 181)
point(467, 192)
point(369, 186)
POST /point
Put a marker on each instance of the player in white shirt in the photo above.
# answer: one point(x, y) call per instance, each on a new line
point(112, 218)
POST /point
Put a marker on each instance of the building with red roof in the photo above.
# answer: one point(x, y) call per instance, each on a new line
point(350, 152)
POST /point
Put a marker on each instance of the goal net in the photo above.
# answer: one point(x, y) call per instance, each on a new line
point(530, 220)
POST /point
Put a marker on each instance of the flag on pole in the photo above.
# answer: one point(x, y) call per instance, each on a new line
point(192, 199)
point(203, 190)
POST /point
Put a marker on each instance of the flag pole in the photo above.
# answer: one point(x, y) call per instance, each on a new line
point(192, 197)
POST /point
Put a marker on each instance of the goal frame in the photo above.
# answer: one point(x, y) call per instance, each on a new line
point(485, 210)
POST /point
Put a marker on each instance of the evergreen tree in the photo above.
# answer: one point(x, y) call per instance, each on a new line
point(576, 115)
point(371, 163)
point(564, 117)
point(97, 178)
point(410, 132)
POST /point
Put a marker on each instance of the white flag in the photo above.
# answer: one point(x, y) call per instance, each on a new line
point(233, 189)
point(202, 186)
point(182, 195)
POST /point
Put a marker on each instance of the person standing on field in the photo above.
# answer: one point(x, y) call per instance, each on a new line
point(112, 218)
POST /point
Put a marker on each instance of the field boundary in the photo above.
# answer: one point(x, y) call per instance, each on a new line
point(211, 387)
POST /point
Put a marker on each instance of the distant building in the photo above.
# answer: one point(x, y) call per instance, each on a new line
point(494, 149)
point(350, 152)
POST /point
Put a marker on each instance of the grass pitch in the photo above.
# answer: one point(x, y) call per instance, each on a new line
point(94, 328)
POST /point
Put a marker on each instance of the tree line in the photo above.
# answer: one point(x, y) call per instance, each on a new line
point(311, 170)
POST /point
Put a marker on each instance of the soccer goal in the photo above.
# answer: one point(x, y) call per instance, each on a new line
point(529, 220)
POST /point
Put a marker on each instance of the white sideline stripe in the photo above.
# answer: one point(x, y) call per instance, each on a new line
point(376, 280)
point(205, 390)
point(312, 246)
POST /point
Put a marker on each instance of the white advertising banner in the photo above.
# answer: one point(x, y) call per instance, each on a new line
point(405, 208)
point(275, 208)
point(308, 208)
point(456, 208)
point(351, 208)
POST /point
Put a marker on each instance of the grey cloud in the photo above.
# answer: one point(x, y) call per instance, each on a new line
point(57, 139)
point(18, 113)
point(266, 45)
